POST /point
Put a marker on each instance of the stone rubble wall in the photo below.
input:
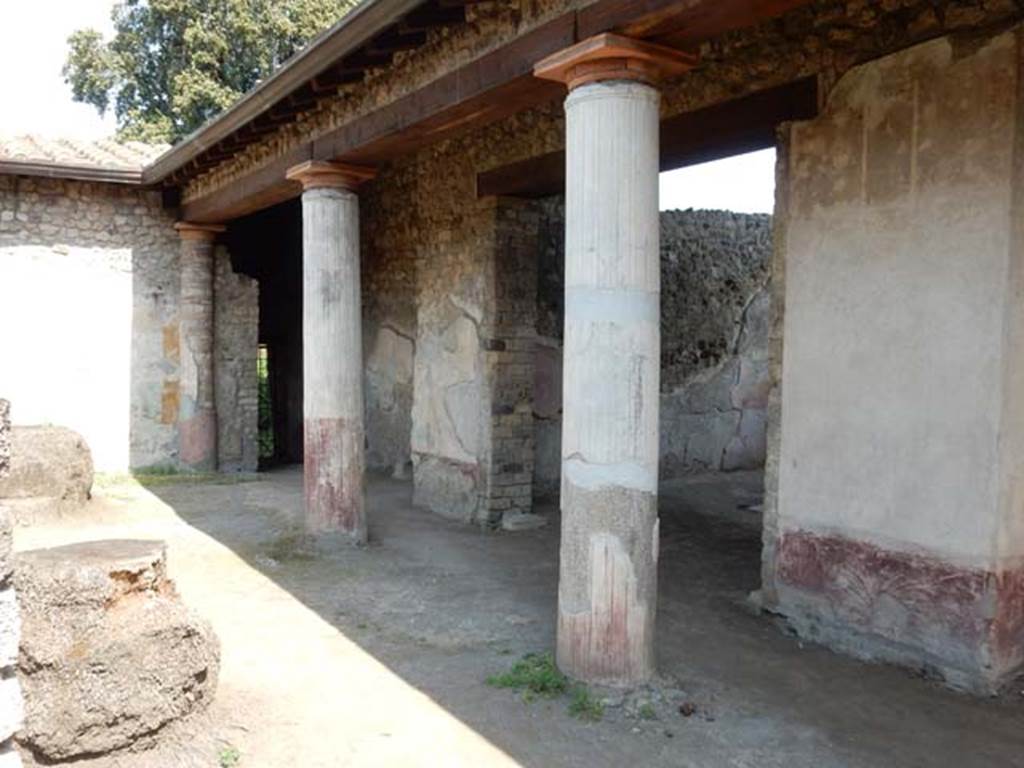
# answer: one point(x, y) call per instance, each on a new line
point(715, 301)
point(508, 358)
point(236, 338)
point(446, 274)
point(390, 241)
point(11, 705)
point(442, 294)
point(90, 276)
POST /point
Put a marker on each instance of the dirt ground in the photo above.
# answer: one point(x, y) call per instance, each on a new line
point(378, 657)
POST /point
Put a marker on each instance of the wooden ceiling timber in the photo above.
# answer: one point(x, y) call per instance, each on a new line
point(500, 83)
point(493, 86)
point(394, 40)
point(431, 16)
point(680, 23)
point(734, 127)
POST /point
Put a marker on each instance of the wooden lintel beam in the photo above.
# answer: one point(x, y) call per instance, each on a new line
point(734, 127)
point(682, 23)
point(490, 88)
point(262, 188)
point(494, 86)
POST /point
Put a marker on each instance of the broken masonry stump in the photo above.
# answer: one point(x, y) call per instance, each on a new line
point(109, 654)
point(50, 473)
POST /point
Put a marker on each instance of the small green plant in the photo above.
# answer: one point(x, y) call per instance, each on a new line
point(535, 675)
point(646, 711)
point(584, 706)
point(229, 757)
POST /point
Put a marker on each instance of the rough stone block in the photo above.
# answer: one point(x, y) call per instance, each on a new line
point(109, 654)
point(49, 462)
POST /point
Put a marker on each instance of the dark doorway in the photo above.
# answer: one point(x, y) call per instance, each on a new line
point(268, 246)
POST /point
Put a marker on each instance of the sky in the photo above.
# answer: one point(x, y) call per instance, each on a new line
point(33, 44)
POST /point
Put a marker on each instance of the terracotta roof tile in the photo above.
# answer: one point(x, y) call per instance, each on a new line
point(103, 153)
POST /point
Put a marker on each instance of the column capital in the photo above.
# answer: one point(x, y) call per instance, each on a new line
point(318, 174)
point(613, 57)
point(189, 230)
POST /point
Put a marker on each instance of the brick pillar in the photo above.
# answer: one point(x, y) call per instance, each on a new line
point(508, 334)
point(332, 342)
point(607, 589)
point(11, 708)
point(197, 411)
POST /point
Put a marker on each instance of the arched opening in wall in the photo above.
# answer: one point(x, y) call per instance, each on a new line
point(716, 260)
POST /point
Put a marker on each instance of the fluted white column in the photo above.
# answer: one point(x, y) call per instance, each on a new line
point(609, 547)
point(332, 349)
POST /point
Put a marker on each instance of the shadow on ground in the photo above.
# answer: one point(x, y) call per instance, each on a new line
point(444, 605)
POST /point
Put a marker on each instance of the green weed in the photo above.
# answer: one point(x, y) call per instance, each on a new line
point(535, 674)
point(584, 706)
point(229, 757)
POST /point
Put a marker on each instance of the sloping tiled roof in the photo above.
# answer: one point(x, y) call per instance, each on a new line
point(101, 154)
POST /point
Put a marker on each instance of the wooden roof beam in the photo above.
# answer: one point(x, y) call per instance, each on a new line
point(430, 17)
point(395, 40)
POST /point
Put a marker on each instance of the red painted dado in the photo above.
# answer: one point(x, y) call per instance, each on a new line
point(971, 617)
point(198, 441)
point(1008, 628)
point(333, 486)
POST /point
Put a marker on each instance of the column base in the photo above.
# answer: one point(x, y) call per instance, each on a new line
point(608, 585)
point(333, 480)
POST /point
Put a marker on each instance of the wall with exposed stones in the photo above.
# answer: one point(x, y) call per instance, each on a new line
point(460, 318)
point(475, 317)
point(90, 279)
point(715, 269)
point(236, 338)
point(389, 250)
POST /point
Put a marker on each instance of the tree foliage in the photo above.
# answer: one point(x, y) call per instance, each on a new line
point(174, 64)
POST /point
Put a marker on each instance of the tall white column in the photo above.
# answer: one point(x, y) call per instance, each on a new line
point(609, 547)
point(332, 343)
point(197, 410)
